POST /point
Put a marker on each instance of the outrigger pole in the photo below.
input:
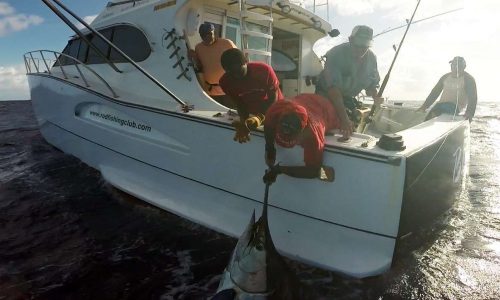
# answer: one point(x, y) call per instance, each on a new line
point(386, 78)
point(185, 107)
point(417, 21)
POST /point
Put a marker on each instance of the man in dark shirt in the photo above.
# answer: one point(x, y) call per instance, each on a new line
point(350, 68)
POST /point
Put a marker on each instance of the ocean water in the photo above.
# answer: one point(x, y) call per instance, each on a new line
point(67, 234)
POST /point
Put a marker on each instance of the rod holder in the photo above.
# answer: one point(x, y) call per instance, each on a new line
point(175, 52)
point(172, 43)
point(178, 62)
point(184, 73)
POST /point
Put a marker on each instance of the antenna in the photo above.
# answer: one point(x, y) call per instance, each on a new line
point(324, 3)
point(316, 5)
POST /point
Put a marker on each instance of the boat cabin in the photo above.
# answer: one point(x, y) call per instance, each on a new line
point(157, 35)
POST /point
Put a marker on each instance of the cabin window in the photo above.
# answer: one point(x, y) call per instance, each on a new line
point(257, 43)
point(129, 39)
point(83, 50)
point(132, 42)
point(73, 48)
point(233, 31)
point(93, 57)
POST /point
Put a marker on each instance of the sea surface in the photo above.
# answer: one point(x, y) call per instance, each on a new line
point(67, 234)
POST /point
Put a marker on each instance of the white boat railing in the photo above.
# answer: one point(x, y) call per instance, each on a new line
point(36, 63)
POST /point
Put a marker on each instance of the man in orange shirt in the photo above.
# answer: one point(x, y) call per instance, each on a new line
point(207, 57)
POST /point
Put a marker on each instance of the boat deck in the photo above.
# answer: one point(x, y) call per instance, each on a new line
point(413, 137)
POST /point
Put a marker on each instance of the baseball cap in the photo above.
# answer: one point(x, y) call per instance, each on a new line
point(361, 36)
point(458, 59)
point(205, 28)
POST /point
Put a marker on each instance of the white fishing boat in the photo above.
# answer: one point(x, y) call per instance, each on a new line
point(146, 124)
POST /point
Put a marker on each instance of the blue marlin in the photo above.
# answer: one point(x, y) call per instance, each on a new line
point(256, 270)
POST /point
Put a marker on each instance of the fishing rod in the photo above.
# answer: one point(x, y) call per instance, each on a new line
point(418, 21)
point(386, 78)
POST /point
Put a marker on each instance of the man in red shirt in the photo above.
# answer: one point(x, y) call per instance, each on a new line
point(303, 120)
point(253, 87)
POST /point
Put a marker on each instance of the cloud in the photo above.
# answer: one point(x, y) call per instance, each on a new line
point(299, 2)
point(353, 7)
point(5, 9)
point(471, 32)
point(13, 83)
point(385, 9)
point(12, 22)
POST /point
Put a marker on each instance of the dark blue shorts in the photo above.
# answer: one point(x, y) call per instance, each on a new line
point(442, 108)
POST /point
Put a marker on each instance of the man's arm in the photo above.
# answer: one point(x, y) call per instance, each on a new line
point(195, 58)
point(436, 91)
point(272, 97)
point(373, 92)
point(313, 157)
point(270, 150)
point(471, 91)
point(330, 82)
point(241, 109)
point(231, 44)
point(226, 85)
point(337, 99)
point(372, 89)
point(300, 171)
point(272, 88)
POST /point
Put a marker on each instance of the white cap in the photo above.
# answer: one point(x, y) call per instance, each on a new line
point(361, 36)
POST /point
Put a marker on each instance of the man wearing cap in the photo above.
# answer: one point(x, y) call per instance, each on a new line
point(207, 56)
point(458, 91)
point(350, 68)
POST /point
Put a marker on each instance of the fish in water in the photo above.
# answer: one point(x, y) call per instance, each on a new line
point(256, 270)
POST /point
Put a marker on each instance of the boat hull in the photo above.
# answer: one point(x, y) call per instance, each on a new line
point(190, 166)
point(434, 177)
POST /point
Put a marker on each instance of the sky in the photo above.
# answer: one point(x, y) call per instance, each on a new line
point(472, 32)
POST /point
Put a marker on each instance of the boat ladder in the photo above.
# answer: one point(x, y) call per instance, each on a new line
point(257, 29)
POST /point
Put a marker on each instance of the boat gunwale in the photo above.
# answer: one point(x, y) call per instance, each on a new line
point(393, 159)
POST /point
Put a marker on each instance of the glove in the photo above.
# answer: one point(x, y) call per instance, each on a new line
point(242, 134)
point(271, 174)
point(254, 121)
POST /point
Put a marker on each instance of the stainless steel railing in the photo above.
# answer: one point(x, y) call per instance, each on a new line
point(40, 61)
